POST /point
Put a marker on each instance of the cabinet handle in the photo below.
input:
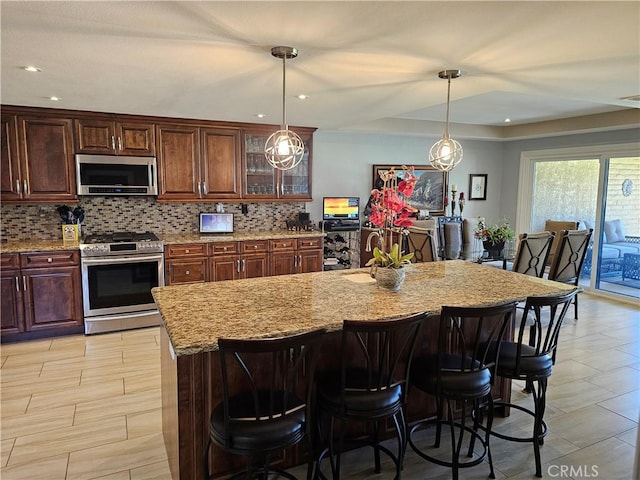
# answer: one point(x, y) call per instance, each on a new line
point(17, 284)
point(244, 265)
point(120, 143)
point(295, 260)
point(204, 188)
point(255, 247)
point(26, 187)
point(300, 261)
point(186, 251)
point(186, 272)
point(199, 189)
point(282, 189)
point(113, 142)
point(24, 283)
point(18, 187)
point(238, 266)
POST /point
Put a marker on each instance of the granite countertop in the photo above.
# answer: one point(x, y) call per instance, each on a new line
point(237, 236)
point(18, 246)
point(196, 315)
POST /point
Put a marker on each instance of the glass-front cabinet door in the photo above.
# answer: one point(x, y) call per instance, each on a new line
point(295, 183)
point(263, 181)
point(260, 177)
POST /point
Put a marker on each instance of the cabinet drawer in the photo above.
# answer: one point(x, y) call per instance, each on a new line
point(309, 243)
point(186, 271)
point(62, 258)
point(282, 244)
point(223, 248)
point(9, 260)
point(186, 250)
point(254, 246)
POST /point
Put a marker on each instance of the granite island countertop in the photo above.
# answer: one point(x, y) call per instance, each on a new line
point(196, 315)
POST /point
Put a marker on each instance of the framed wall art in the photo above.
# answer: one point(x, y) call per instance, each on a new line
point(477, 186)
point(430, 189)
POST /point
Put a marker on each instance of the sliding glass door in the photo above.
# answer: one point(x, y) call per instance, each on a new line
point(599, 187)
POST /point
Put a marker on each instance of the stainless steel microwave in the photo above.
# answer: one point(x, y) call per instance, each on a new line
point(116, 175)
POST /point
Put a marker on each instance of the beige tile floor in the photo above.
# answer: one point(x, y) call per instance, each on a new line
point(89, 408)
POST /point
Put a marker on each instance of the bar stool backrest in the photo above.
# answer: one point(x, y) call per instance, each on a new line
point(275, 373)
point(531, 255)
point(569, 257)
point(468, 336)
point(380, 352)
point(542, 318)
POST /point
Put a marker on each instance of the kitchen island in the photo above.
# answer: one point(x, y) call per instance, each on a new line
point(196, 315)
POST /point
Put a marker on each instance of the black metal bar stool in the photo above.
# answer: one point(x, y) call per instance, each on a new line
point(531, 359)
point(266, 388)
point(370, 386)
point(460, 371)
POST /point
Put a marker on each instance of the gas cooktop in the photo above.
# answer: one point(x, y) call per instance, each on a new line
point(118, 237)
point(120, 243)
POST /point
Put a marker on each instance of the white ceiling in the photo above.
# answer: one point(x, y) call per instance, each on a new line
point(365, 65)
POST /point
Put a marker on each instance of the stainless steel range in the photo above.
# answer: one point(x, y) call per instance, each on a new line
point(118, 272)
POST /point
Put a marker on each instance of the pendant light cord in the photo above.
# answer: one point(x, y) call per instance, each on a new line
point(446, 127)
point(284, 95)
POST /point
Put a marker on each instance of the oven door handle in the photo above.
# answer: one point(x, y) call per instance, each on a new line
point(121, 259)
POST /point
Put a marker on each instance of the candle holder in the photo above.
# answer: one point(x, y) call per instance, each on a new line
point(453, 201)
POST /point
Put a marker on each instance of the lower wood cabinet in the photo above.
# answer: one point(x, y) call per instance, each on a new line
point(41, 295)
point(295, 255)
point(186, 263)
point(217, 261)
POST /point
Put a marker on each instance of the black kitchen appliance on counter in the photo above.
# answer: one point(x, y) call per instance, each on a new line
point(118, 272)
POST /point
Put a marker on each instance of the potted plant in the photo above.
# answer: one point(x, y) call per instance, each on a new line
point(493, 236)
point(391, 213)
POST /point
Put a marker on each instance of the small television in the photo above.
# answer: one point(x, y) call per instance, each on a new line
point(341, 208)
point(216, 223)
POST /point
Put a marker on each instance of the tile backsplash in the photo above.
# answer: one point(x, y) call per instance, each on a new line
point(138, 214)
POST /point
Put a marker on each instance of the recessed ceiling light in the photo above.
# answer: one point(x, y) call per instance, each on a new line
point(507, 120)
point(31, 68)
point(302, 96)
point(260, 115)
point(54, 99)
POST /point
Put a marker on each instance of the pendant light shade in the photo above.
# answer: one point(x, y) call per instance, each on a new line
point(446, 153)
point(284, 149)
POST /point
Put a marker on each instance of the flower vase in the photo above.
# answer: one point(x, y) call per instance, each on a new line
point(494, 249)
point(390, 278)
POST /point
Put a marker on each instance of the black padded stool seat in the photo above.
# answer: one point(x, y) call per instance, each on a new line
point(453, 383)
point(245, 435)
point(266, 392)
point(370, 386)
point(462, 370)
point(532, 360)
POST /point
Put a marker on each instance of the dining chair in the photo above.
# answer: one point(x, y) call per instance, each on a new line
point(422, 243)
point(369, 387)
point(532, 252)
point(557, 226)
point(459, 373)
point(531, 358)
point(266, 389)
point(569, 258)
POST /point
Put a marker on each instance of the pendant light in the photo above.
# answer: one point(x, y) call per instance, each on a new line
point(446, 153)
point(284, 149)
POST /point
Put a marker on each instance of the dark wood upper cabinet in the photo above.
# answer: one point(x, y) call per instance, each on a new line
point(11, 182)
point(110, 137)
point(37, 159)
point(198, 163)
point(220, 166)
point(178, 162)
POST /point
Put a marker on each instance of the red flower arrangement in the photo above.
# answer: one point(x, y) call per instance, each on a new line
point(389, 209)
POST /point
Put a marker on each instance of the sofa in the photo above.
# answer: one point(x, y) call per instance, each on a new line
point(615, 244)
